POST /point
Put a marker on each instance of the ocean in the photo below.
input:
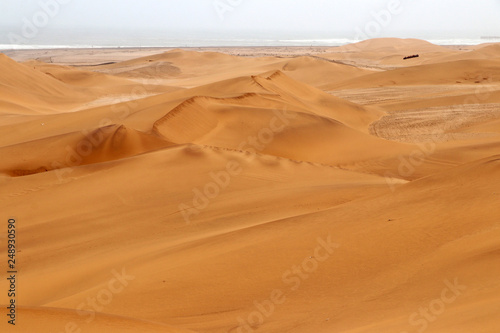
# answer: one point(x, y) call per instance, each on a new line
point(196, 39)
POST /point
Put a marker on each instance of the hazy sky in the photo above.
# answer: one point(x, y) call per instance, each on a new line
point(334, 18)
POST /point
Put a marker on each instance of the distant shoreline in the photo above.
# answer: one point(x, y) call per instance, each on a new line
point(96, 56)
point(228, 43)
point(92, 56)
point(188, 47)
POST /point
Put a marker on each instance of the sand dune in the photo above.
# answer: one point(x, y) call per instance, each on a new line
point(318, 72)
point(289, 134)
point(383, 53)
point(463, 71)
point(190, 68)
point(23, 77)
point(101, 145)
point(76, 77)
point(491, 51)
point(181, 64)
point(25, 89)
point(37, 88)
point(291, 120)
point(370, 246)
point(348, 191)
point(392, 45)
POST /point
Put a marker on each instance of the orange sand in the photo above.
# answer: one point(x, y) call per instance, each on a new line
point(340, 191)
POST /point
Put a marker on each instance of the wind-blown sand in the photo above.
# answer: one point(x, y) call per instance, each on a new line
point(279, 190)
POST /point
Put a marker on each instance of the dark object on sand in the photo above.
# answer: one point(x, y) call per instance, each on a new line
point(412, 56)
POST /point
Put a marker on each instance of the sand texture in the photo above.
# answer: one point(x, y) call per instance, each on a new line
point(253, 189)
